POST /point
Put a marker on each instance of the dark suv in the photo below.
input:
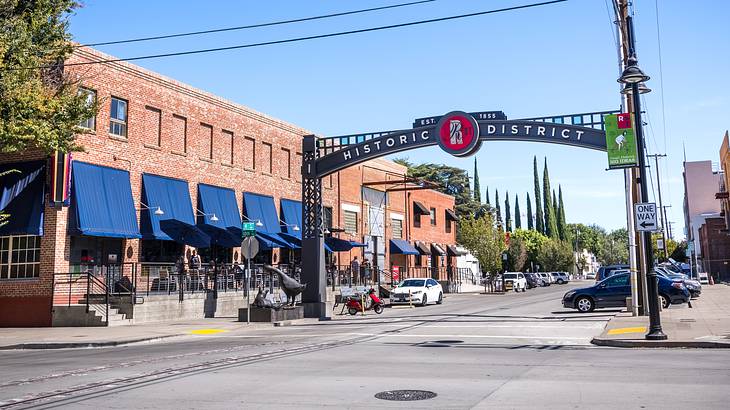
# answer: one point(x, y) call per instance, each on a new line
point(606, 271)
point(532, 280)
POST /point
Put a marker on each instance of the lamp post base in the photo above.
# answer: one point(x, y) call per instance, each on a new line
point(656, 335)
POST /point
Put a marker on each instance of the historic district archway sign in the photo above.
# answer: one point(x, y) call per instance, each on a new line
point(458, 133)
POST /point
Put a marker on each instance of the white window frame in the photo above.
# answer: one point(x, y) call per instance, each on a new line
point(89, 123)
point(7, 267)
point(117, 122)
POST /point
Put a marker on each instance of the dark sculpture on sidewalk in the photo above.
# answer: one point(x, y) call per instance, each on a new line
point(261, 302)
point(289, 285)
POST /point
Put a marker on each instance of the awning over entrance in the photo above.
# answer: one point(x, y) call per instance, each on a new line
point(402, 247)
point(437, 249)
point(177, 223)
point(337, 244)
point(420, 209)
point(451, 215)
point(422, 248)
point(262, 208)
point(22, 197)
point(454, 250)
point(221, 203)
point(291, 213)
point(101, 202)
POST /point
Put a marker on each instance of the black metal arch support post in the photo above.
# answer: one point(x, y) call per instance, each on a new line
point(314, 297)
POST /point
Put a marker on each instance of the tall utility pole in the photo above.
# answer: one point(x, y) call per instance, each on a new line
point(669, 224)
point(661, 205)
point(638, 280)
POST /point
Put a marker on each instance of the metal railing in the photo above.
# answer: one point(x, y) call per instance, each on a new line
point(82, 289)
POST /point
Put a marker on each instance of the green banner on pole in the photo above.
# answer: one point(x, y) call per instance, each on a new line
point(620, 141)
point(248, 229)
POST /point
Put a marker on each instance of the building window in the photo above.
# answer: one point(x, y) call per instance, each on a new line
point(417, 220)
point(227, 147)
point(249, 150)
point(350, 221)
point(206, 141)
point(327, 217)
point(267, 167)
point(152, 126)
point(20, 257)
point(433, 216)
point(179, 134)
point(397, 225)
point(118, 117)
point(448, 226)
point(89, 123)
point(287, 163)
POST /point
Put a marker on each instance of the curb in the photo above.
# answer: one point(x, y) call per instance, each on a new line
point(660, 344)
point(80, 345)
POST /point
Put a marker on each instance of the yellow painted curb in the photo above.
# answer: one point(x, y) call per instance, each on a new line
point(623, 330)
point(207, 331)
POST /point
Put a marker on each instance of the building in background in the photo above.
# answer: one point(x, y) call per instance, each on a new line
point(701, 183)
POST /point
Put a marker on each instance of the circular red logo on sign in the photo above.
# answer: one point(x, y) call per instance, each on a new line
point(458, 134)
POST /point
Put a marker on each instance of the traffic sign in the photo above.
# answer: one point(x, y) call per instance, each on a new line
point(249, 247)
point(645, 217)
point(248, 229)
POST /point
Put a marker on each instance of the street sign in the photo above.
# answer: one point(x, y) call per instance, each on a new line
point(249, 247)
point(620, 141)
point(248, 229)
point(645, 217)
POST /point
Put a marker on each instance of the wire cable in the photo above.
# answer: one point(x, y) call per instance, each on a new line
point(296, 39)
point(269, 24)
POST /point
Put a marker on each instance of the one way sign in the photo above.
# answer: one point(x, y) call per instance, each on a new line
point(645, 217)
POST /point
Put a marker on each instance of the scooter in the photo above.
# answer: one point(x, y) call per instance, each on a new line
point(353, 305)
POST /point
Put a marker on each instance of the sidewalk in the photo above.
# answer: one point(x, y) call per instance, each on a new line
point(79, 337)
point(705, 325)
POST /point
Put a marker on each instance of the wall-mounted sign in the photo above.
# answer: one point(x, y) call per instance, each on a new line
point(620, 141)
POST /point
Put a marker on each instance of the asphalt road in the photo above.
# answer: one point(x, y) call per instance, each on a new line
point(474, 351)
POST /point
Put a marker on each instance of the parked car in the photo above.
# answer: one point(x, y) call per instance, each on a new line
point(694, 286)
point(533, 280)
point(560, 278)
point(419, 291)
point(546, 278)
point(591, 275)
point(613, 291)
point(606, 271)
point(517, 279)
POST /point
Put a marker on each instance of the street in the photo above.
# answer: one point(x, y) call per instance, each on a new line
point(474, 351)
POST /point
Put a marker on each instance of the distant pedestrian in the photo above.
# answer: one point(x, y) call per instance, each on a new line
point(195, 262)
point(354, 269)
point(365, 271)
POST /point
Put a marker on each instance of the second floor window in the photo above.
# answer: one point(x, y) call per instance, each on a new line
point(90, 95)
point(118, 117)
point(350, 221)
point(397, 225)
point(433, 216)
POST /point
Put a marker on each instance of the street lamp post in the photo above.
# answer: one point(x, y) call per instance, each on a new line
point(633, 76)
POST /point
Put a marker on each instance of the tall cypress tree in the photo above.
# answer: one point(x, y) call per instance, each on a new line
point(562, 225)
point(530, 224)
point(551, 223)
point(499, 210)
point(477, 189)
point(539, 224)
point(486, 192)
point(507, 214)
point(518, 218)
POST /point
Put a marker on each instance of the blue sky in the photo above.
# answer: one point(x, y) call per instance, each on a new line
point(556, 59)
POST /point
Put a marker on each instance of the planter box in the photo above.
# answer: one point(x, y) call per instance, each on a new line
point(271, 315)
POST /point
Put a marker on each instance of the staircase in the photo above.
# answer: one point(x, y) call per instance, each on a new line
point(82, 299)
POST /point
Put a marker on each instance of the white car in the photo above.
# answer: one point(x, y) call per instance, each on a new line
point(591, 275)
point(518, 280)
point(546, 277)
point(419, 291)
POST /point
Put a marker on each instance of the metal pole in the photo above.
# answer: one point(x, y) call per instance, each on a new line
point(661, 205)
point(655, 325)
point(248, 292)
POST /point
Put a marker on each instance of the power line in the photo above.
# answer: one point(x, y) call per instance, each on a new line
point(269, 24)
point(297, 39)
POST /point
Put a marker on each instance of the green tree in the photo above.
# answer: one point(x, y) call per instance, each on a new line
point(516, 254)
point(555, 255)
point(499, 209)
point(532, 240)
point(530, 224)
point(551, 224)
point(482, 238)
point(477, 189)
point(615, 249)
point(562, 228)
point(518, 217)
point(680, 252)
point(658, 253)
point(40, 108)
point(486, 192)
point(586, 237)
point(507, 214)
point(539, 221)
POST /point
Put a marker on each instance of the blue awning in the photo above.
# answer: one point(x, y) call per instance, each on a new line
point(262, 208)
point(101, 202)
point(22, 196)
point(356, 244)
point(172, 197)
point(291, 213)
point(221, 202)
point(402, 247)
point(337, 244)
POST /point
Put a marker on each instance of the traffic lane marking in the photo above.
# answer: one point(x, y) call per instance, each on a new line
point(207, 331)
point(624, 330)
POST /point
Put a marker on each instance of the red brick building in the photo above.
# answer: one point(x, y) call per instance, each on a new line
point(162, 156)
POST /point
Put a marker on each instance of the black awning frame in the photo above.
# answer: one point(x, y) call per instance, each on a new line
point(420, 209)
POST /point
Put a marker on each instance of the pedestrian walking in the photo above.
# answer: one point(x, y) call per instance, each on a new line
point(365, 272)
point(354, 269)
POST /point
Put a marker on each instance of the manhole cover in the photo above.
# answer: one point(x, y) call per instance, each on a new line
point(405, 395)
